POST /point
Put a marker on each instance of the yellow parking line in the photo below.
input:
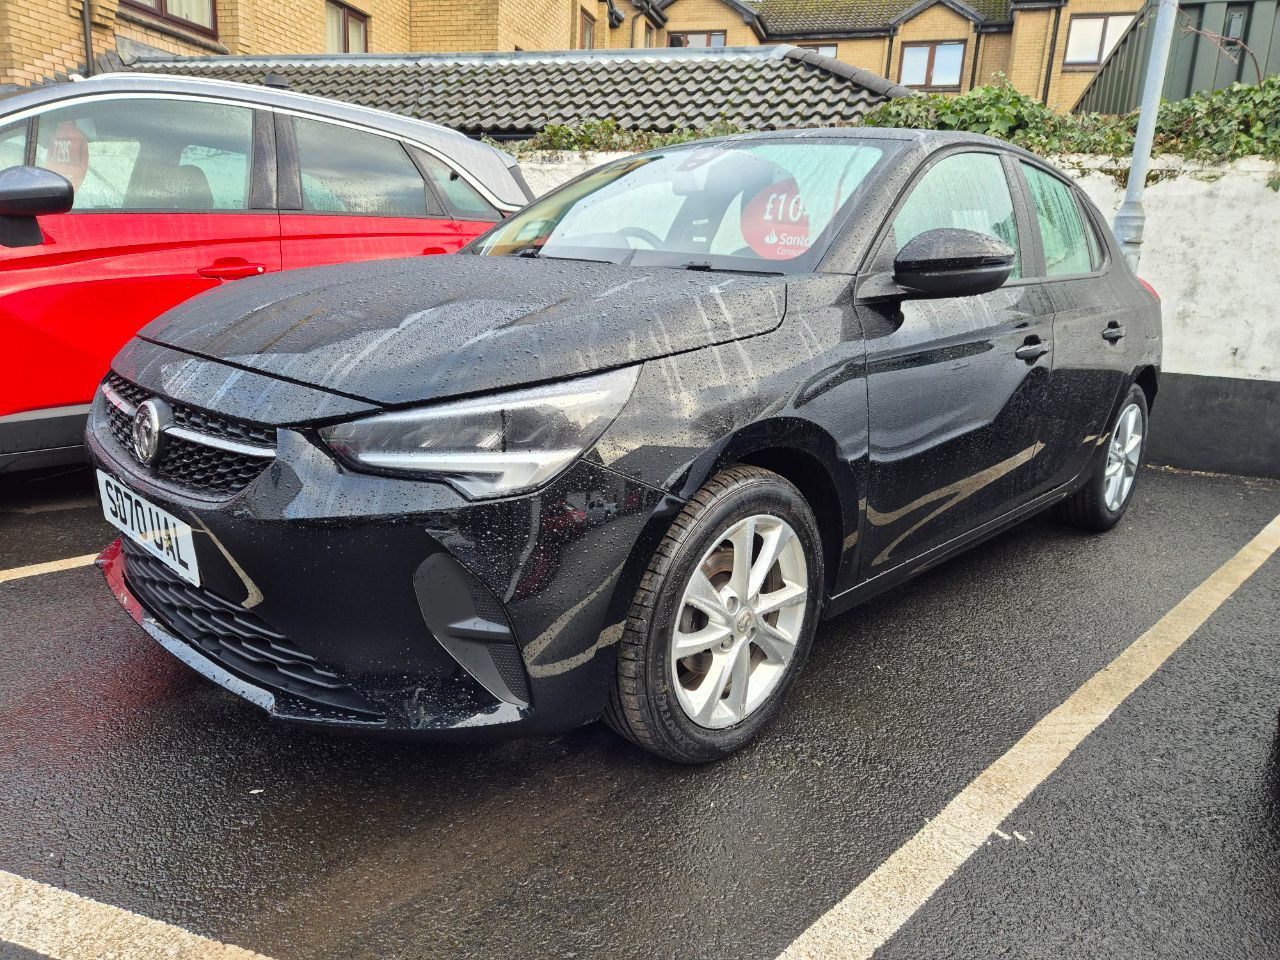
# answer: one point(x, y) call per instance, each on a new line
point(53, 566)
point(66, 926)
point(878, 907)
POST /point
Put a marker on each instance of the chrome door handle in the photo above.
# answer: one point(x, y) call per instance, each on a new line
point(1032, 350)
point(1113, 332)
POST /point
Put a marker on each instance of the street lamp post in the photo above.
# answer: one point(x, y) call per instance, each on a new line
point(1130, 218)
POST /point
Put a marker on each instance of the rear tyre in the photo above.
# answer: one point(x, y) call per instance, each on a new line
point(1102, 501)
point(723, 619)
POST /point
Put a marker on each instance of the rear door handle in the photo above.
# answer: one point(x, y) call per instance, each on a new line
point(231, 268)
point(1032, 350)
point(1113, 332)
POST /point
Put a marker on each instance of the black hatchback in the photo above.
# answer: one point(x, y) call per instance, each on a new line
point(620, 455)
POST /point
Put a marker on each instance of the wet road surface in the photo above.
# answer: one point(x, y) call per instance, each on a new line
point(126, 778)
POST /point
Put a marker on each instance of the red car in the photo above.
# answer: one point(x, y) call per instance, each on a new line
point(180, 185)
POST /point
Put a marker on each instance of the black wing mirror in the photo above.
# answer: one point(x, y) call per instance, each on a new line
point(953, 263)
point(27, 193)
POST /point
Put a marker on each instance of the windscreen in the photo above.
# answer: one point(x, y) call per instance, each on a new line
point(767, 206)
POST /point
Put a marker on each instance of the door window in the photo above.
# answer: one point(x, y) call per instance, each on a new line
point(460, 197)
point(170, 155)
point(965, 190)
point(1062, 230)
point(363, 174)
point(13, 145)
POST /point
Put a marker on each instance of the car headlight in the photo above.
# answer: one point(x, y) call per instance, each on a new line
point(491, 446)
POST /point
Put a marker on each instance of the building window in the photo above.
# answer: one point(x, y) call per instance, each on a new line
point(648, 35)
point(933, 66)
point(586, 31)
point(1091, 38)
point(700, 39)
point(826, 49)
point(346, 30)
point(194, 14)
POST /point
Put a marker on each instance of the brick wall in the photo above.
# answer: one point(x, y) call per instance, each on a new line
point(542, 24)
point(700, 15)
point(1069, 82)
point(993, 56)
point(465, 25)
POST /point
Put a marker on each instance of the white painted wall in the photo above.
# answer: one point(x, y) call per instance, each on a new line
point(1212, 250)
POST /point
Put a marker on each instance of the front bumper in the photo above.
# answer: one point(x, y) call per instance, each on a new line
point(330, 596)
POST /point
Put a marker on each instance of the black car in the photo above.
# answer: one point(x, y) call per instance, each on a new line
point(621, 455)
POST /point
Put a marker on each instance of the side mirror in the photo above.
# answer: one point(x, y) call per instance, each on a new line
point(27, 193)
point(953, 263)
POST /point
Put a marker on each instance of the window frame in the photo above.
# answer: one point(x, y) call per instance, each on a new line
point(161, 12)
point(933, 45)
point(348, 13)
point(818, 47)
point(586, 26)
point(262, 186)
point(1091, 65)
point(876, 262)
point(685, 34)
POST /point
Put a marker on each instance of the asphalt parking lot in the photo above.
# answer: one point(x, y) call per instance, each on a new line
point(127, 779)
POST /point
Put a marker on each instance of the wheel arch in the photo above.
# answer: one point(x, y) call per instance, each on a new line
point(1148, 379)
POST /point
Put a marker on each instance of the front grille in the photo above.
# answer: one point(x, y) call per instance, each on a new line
point(188, 462)
point(236, 639)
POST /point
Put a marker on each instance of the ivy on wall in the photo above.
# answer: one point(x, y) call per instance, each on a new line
point(1241, 121)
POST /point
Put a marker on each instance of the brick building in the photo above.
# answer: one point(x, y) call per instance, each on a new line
point(1048, 48)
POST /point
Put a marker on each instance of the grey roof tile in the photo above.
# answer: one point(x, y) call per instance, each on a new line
point(520, 93)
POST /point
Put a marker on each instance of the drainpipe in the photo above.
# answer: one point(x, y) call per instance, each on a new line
point(86, 17)
point(977, 52)
point(1131, 219)
point(1053, 48)
point(888, 59)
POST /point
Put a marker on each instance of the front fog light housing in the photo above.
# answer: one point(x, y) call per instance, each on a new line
point(492, 446)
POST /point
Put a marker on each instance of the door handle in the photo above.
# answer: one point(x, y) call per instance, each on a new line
point(231, 268)
point(1032, 350)
point(1113, 332)
point(433, 251)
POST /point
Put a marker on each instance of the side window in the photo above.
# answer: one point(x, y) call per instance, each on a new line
point(461, 199)
point(13, 145)
point(1062, 230)
point(172, 155)
point(965, 190)
point(350, 171)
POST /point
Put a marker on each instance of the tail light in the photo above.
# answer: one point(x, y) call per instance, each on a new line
point(1150, 289)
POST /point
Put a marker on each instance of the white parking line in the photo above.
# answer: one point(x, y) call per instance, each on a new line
point(878, 907)
point(53, 566)
point(65, 926)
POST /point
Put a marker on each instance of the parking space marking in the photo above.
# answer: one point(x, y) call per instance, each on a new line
point(53, 566)
point(67, 926)
point(878, 907)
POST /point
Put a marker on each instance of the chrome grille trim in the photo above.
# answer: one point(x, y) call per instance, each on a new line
point(192, 436)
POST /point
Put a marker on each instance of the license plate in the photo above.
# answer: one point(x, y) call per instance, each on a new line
point(162, 534)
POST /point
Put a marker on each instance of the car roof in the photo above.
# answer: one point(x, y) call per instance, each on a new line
point(926, 141)
point(494, 169)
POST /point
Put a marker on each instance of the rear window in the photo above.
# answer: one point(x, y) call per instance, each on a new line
point(350, 171)
point(1062, 228)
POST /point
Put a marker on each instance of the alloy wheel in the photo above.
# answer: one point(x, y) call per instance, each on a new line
point(739, 621)
point(1122, 458)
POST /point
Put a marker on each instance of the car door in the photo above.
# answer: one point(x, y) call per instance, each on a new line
point(956, 386)
point(356, 195)
point(172, 198)
point(1091, 364)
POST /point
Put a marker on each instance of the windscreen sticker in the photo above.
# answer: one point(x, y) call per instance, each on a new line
point(69, 153)
point(775, 223)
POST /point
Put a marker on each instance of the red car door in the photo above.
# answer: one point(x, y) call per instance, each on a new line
point(348, 194)
point(172, 198)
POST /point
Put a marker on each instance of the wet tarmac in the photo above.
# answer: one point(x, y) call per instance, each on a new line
point(126, 778)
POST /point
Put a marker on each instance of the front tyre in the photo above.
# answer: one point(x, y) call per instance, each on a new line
point(1102, 501)
point(722, 621)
